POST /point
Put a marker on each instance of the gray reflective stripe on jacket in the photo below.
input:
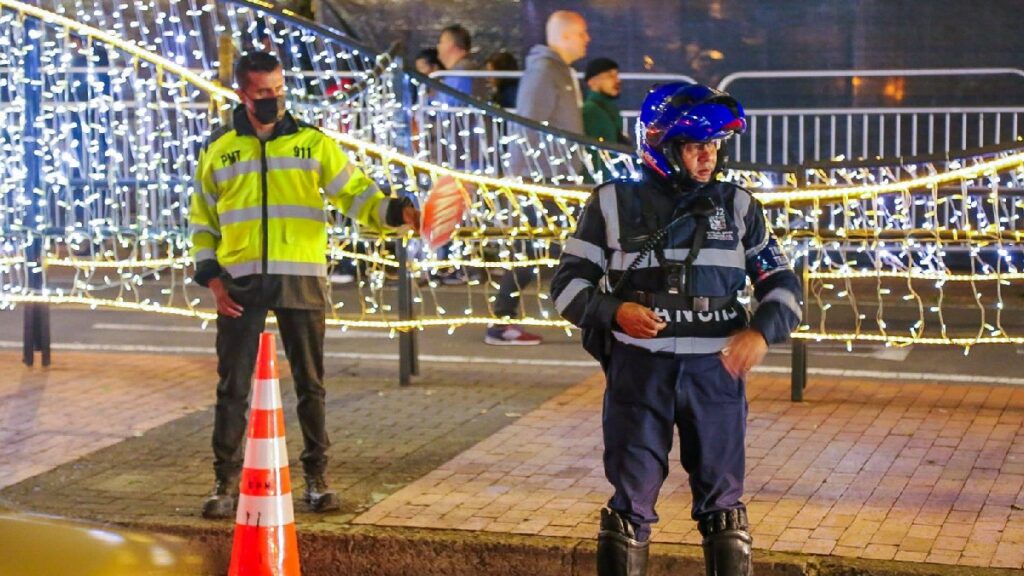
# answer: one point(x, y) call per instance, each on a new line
point(707, 257)
point(338, 182)
point(359, 201)
point(566, 297)
point(210, 199)
point(221, 175)
point(204, 254)
point(685, 345)
point(277, 267)
point(740, 207)
point(273, 211)
point(610, 209)
point(289, 163)
point(194, 229)
point(784, 297)
point(587, 251)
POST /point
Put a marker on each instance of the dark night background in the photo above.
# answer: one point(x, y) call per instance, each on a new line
point(707, 39)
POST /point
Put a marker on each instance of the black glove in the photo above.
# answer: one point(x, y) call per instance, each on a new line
point(395, 208)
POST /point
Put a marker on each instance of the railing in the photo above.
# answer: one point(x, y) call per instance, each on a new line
point(809, 135)
point(789, 136)
point(780, 135)
point(480, 138)
point(512, 145)
point(907, 72)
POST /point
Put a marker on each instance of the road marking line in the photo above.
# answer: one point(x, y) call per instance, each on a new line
point(865, 374)
point(331, 334)
point(879, 351)
point(204, 350)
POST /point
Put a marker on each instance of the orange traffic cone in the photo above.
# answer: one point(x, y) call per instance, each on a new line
point(265, 542)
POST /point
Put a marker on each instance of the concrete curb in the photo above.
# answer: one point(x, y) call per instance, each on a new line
point(375, 551)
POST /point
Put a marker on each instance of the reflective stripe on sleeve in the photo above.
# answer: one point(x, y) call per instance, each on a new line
point(784, 297)
point(357, 204)
point(585, 250)
point(198, 228)
point(575, 286)
point(336, 184)
point(204, 254)
point(382, 211)
point(754, 251)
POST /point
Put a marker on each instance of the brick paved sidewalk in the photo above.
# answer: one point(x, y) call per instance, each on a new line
point(915, 472)
point(126, 438)
point(49, 416)
point(912, 472)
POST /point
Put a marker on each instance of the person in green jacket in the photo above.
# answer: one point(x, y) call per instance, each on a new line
point(602, 119)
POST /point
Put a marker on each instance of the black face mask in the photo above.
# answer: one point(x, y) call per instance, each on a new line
point(268, 110)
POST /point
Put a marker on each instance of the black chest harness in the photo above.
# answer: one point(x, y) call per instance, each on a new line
point(677, 275)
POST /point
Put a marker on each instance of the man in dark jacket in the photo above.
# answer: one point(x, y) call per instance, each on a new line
point(453, 50)
point(652, 274)
point(602, 119)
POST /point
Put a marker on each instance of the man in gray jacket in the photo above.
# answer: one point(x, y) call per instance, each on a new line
point(549, 93)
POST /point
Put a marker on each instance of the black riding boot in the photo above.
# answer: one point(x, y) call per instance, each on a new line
point(222, 502)
point(619, 553)
point(319, 497)
point(727, 543)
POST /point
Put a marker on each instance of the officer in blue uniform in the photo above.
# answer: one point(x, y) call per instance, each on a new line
point(651, 275)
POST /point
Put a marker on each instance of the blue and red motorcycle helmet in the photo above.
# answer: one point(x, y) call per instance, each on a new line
point(681, 112)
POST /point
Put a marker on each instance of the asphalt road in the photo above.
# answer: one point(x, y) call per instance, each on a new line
point(130, 332)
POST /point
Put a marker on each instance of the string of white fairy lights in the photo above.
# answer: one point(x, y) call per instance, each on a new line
point(854, 237)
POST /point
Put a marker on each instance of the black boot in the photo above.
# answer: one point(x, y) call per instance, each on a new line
point(619, 553)
point(223, 501)
point(319, 497)
point(727, 543)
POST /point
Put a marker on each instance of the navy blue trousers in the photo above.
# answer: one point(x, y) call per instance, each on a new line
point(646, 396)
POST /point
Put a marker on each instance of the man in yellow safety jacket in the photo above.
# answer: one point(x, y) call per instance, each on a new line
point(259, 239)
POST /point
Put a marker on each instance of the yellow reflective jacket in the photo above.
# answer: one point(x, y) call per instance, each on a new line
point(258, 208)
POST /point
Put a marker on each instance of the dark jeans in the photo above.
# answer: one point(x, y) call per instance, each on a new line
point(647, 395)
point(302, 332)
point(506, 302)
